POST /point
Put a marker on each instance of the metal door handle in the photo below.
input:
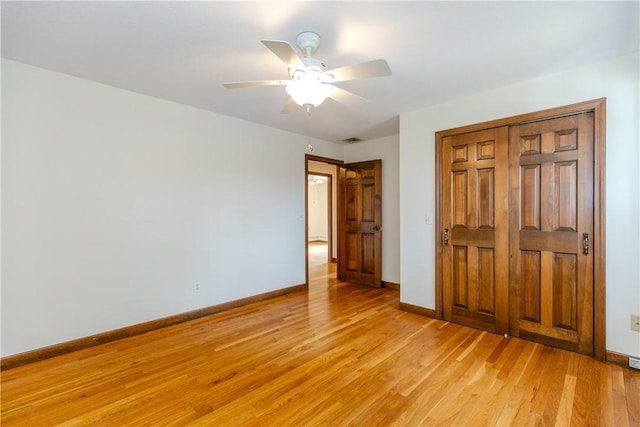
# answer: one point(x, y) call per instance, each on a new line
point(585, 243)
point(376, 228)
point(446, 236)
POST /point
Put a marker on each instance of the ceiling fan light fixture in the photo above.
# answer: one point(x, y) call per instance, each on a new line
point(308, 92)
point(310, 82)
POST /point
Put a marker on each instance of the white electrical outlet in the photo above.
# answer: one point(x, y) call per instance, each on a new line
point(634, 363)
point(635, 323)
point(196, 287)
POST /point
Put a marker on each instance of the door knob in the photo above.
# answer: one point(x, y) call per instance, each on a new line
point(376, 228)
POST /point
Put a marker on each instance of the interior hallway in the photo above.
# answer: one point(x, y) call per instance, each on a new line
point(320, 269)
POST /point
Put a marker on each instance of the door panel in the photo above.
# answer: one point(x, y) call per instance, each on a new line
point(474, 216)
point(359, 220)
point(460, 286)
point(351, 252)
point(486, 282)
point(551, 176)
point(368, 253)
point(350, 201)
point(530, 286)
point(485, 204)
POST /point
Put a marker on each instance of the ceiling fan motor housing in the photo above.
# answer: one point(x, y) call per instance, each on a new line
point(308, 42)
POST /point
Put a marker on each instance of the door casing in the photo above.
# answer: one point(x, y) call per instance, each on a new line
point(598, 107)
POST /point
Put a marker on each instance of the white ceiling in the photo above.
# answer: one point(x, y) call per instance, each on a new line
point(182, 51)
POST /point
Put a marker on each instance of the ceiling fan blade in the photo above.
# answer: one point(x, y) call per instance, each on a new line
point(253, 83)
point(347, 98)
point(286, 53)
point(290, 108)
point(376, 68)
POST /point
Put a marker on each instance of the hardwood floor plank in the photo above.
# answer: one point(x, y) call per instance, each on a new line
point(632, 390)
point(620, 411)
point(339, 354)
point(606, 393)
point(565, 407)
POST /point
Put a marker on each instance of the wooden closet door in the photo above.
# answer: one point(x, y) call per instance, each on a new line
point(551, 271)
point(475, 229)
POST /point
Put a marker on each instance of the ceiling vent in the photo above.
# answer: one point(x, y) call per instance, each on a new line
point(352, 140)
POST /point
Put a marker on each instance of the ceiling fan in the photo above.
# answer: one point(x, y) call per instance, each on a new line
point(309, 82)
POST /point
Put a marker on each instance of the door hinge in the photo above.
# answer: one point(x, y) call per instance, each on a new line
point(585, 243)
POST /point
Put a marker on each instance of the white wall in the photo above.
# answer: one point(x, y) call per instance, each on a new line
point(115, 204)
point(386, 149)
point(318, 203)
point(617, 80)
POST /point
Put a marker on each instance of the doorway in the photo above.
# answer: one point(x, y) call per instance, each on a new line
point(321, 245)
point(357, 218)
point(360, 223)
point(320, 222)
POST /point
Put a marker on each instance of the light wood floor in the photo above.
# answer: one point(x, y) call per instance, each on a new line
point(338, 355)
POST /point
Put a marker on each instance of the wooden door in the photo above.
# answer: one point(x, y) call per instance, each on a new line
point(359, 222)
point(551, 174)
point(475, 229)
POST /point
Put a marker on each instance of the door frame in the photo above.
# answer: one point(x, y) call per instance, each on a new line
point(315, 158)
point(598, 107)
